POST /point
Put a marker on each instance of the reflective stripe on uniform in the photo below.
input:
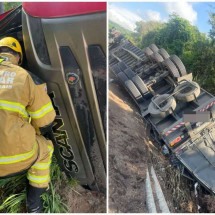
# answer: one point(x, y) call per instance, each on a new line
point(51, 149)
point(42, 111)
point(44, 165)
point(13, 106)
point(38, 179)
point(41, 166)
point(17, 158)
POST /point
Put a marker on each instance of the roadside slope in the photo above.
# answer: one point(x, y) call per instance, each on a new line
point(131, 150)
point(127, 155)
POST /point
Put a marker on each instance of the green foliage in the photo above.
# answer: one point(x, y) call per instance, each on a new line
point(146, 30)
point(203, 64)
point(12, 185)
point(52, 202)
point(13, 193)
point(73, 182)
point(55, 171)
point(176, 36)
point(145, 27)
point(14, 203)
point(11, 5)
point(212, 22)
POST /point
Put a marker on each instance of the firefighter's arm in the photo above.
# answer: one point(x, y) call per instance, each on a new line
point(40, 107)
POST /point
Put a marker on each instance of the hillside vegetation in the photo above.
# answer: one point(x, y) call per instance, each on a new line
point(119, 28)
point(178, 36)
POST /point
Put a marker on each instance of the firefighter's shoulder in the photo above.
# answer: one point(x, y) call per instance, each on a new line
point(15, 68)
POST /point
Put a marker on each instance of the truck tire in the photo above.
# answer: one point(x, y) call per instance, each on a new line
point(157, 57)
point(175, 59)
point(148, 52)
point(130, 74)
point(163, 53)
point(167, 107)
point(115, 69)
point(133, 90)
point(171, 68)
point(140, 84)
point(122, 77)
point(187, 92)
point(122, 65)
point(154, 48)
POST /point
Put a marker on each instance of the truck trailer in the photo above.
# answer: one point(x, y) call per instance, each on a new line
point(180, 113)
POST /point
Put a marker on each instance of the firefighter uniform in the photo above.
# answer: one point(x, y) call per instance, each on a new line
point(24, 108)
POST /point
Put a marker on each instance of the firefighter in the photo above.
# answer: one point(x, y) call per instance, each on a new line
point(25, 112)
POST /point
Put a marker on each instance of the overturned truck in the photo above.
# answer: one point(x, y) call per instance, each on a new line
point(180, 113)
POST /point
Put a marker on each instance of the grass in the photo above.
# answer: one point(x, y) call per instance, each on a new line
point(14, 203)
point(13, 193)
point(53, 202)
point(73, 182)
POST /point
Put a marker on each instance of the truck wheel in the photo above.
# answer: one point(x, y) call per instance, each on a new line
point(154, 48)
point(179, 64)
point(122, 65)
point(171, 68)
point(166, 107)
point(130, 74)
point(122, 77)
point(134, 91)
point(163, 53)
point(148, 51)
point(187, 91)
point(140, 84)
point(157, 57)
point(115, 69)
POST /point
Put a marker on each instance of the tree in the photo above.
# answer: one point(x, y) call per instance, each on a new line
point(177, 35)
point(11, 5)
point(212, 22)
point(203, 64)
point(144, 28)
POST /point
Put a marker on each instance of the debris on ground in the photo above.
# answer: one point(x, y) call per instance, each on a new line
point(80, 200)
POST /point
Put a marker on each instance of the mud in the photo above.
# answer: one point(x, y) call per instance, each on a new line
point(80, 200)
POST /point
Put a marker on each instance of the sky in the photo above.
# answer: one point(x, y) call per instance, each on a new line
point(127, 14)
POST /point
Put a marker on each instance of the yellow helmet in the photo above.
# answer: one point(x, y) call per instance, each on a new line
point(13, 44)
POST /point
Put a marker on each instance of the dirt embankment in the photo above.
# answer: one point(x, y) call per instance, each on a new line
point(131, 151)
point(80, 200)
point(127, 156)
